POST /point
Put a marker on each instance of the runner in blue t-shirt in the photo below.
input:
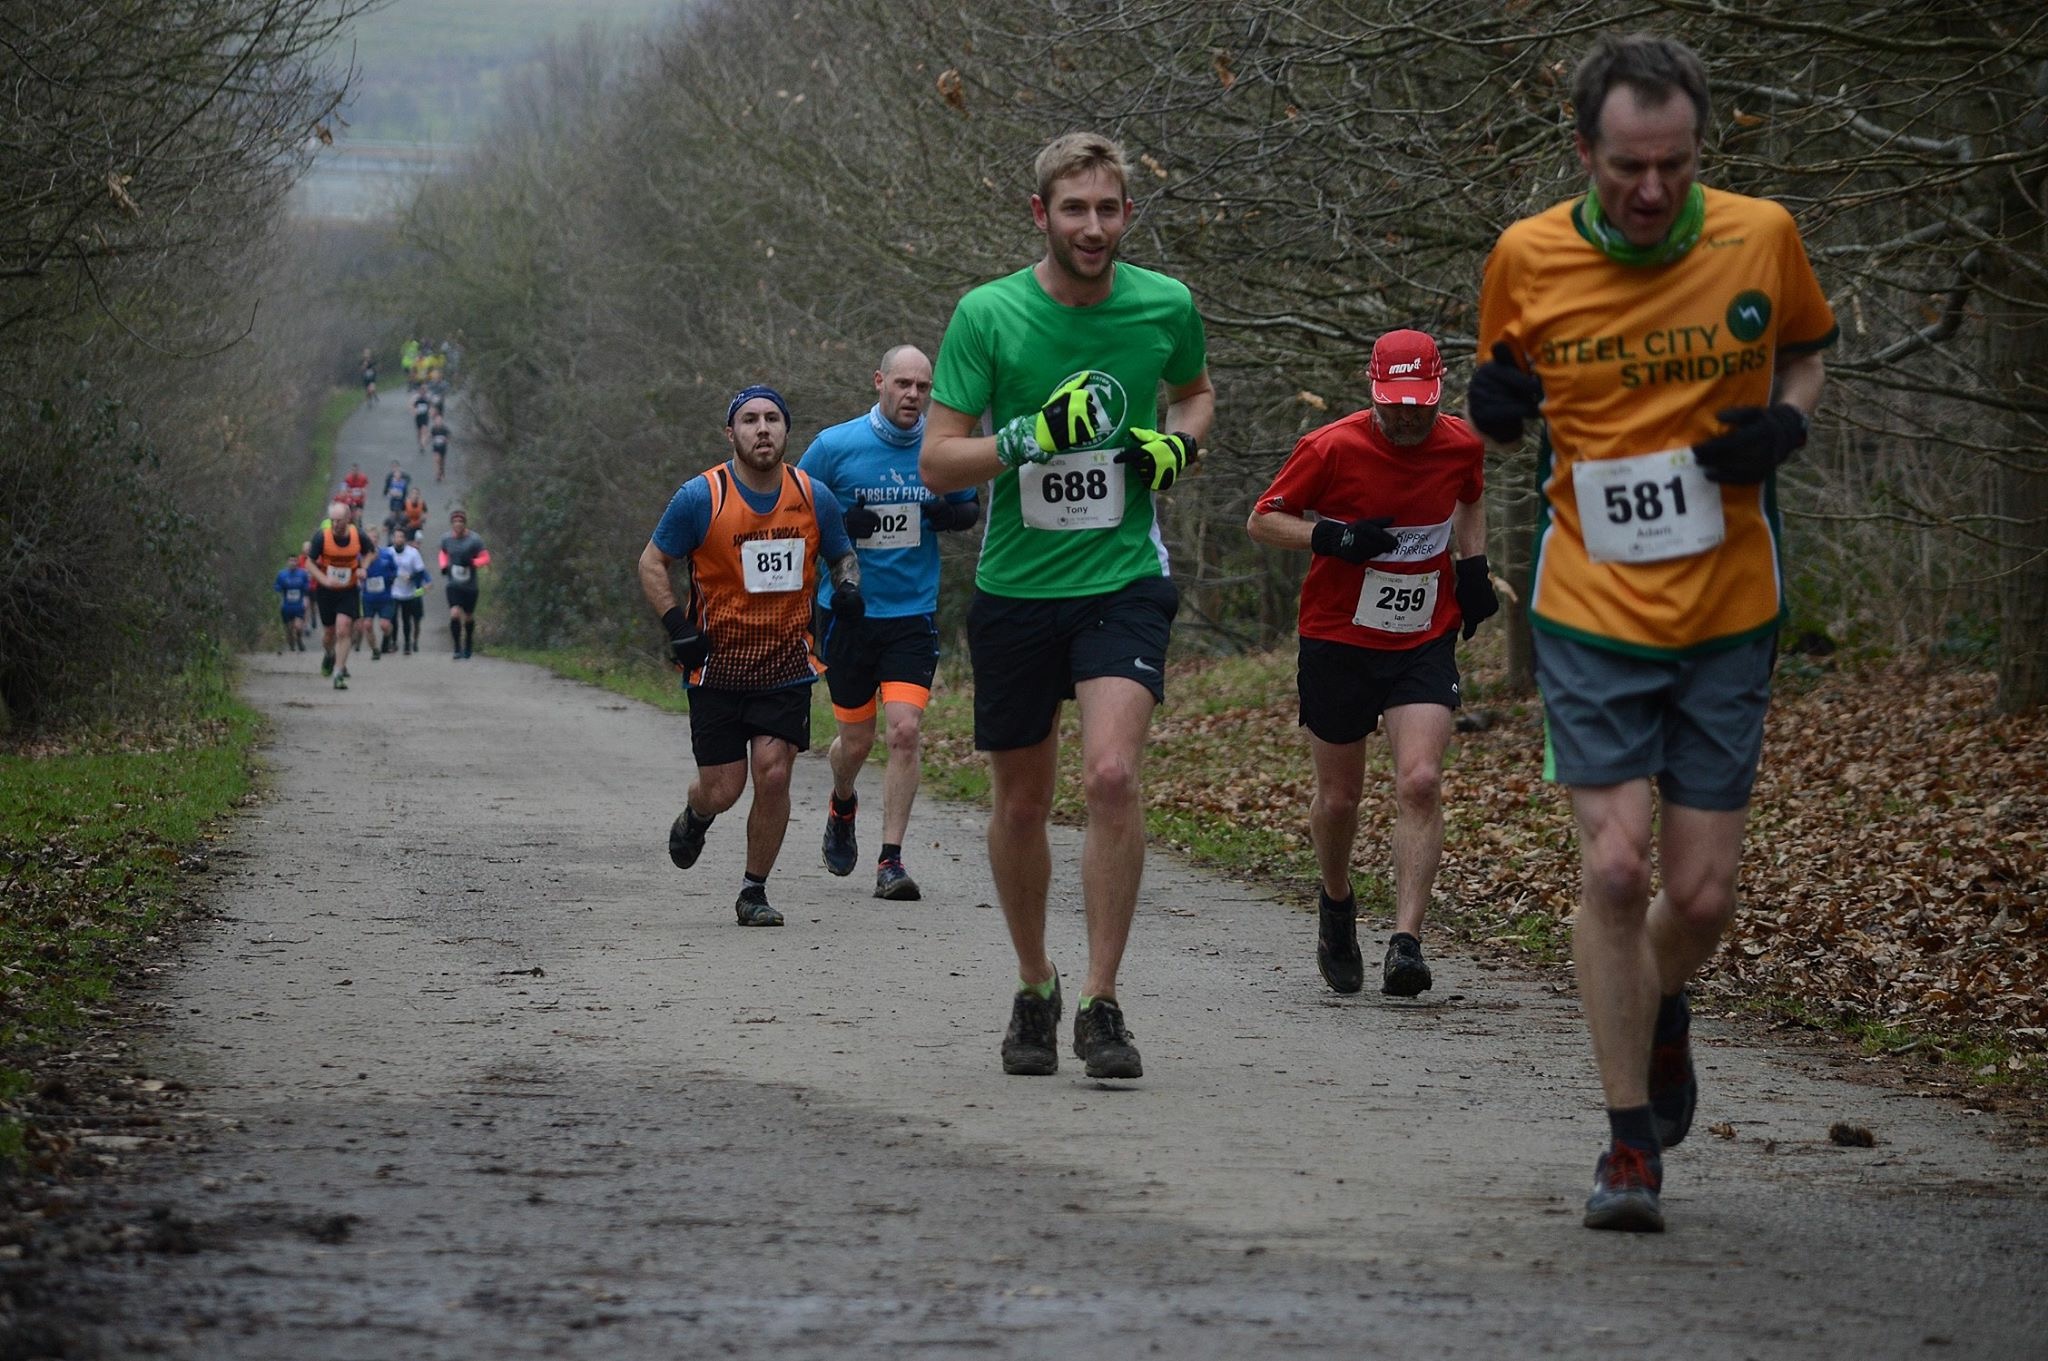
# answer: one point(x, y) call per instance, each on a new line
point(374, 628)
point(870, 465)
point(293, 585)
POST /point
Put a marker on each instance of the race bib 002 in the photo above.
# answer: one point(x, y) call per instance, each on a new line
point(458, 573)
point(1081, 490)
point(1646, 508)
point(1397, 602)
point(902, 527)
point(770, 565)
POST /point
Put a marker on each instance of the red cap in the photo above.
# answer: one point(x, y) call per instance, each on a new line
point(1407, 370)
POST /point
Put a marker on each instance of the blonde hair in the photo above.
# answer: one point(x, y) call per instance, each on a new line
point(1078, 153)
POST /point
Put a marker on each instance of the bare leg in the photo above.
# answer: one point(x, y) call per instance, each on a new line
point(768, 820)
point(899, 783)
point(1700, 853)
point(848, 752)
point(1019, 856)
point(1333, 813)
point(1611, 946)
point(1419, 734)
point(1115, 714)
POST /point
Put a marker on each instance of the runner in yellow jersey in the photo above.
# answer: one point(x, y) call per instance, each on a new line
point(1668, 336)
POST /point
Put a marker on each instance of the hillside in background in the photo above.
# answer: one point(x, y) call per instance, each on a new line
point(436, 70)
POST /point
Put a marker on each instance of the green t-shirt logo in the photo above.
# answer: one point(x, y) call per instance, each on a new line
point(1112, 407)
point(1749, 314)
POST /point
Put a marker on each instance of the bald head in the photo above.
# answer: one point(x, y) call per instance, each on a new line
point(903, 383)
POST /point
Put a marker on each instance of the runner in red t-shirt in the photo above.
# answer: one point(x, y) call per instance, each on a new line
point(356, 489)
point(1382, 498)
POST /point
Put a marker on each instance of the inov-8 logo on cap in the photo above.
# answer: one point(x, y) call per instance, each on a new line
point(1407, 370)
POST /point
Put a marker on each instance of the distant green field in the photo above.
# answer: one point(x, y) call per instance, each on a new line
point(434, 70)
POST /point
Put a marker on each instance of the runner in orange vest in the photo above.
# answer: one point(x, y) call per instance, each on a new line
point(752, 532)
point(336, 555)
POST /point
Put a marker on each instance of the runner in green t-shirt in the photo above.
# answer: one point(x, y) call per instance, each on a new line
point(1072, 598)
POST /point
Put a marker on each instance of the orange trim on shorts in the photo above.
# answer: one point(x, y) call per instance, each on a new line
point(904, 692)
point(860, 715)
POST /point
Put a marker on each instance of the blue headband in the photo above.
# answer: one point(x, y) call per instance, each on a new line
point(745, 395)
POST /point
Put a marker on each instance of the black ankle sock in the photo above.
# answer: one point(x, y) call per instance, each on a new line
point(760, 881)
point(1636, 1127)
point(890, 851)
point(698, 820)
point(845, 807)
point(1674, 1018)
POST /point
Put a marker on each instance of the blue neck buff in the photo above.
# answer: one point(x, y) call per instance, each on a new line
point(888, 432)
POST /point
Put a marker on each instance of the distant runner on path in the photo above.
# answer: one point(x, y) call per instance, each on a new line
point(463, 555)
point(1669, 337)
point(408, 588)
point(869, 465)
point(337, 554)
point(293, 584)
point(1072, 595)
point(1390, 502)
point(754, 533)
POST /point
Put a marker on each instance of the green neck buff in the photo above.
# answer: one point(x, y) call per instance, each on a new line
point(1608, 240)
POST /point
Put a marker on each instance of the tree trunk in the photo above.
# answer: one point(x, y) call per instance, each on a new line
point(2017, 346)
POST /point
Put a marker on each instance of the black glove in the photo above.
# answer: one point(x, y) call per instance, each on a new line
point(1502, 396)
point(1759, 438)
point(848, 605)
point(688, 648)
point(943, 515)
point(860, 521)
point(1356, 542)
point(1476, 598)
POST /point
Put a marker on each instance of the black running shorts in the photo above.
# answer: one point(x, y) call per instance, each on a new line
point(864, 657)
point(723, 722)
point(1029, 654)
point(1345, 689)
point(333, 603)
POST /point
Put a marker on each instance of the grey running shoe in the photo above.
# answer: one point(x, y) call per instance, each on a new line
point(1337, 943)
point(1031, 1044)
point(1404, 974)
point(1625, 1187)
point(1102, 1042)
point(894, 882)
point(752, 908)
point(686, 839)
point(841, 852)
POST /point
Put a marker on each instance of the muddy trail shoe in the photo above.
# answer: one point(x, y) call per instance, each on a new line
point(686, 839)
point(1102, 1042)
point(752, 908)
point(1337, 944)
point(1031, 1044)
point(341, 680)
point(1625, 1187)
point(327, 663)
point(1674, 1085)
point(893, 882)
point(1404, 974)
point(841, 852)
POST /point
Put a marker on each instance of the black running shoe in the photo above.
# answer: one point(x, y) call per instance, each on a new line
point(1337, 944)
point(752, 908)
point(686, 839)
point(841, 853)
point(1102, 1042)
point(1674, 1085)
point(1404, 974)
point(1031, 1046)
point(1626, 1184)
point(894, 882)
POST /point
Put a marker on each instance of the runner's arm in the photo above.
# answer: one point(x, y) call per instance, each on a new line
point(1468, 529)
point(1190, 408)
point(1799, 378)
point(655, 583)
point(1280, 529)
point(954, 458)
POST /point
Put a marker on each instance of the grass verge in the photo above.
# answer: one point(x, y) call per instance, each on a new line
point(93, 847)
